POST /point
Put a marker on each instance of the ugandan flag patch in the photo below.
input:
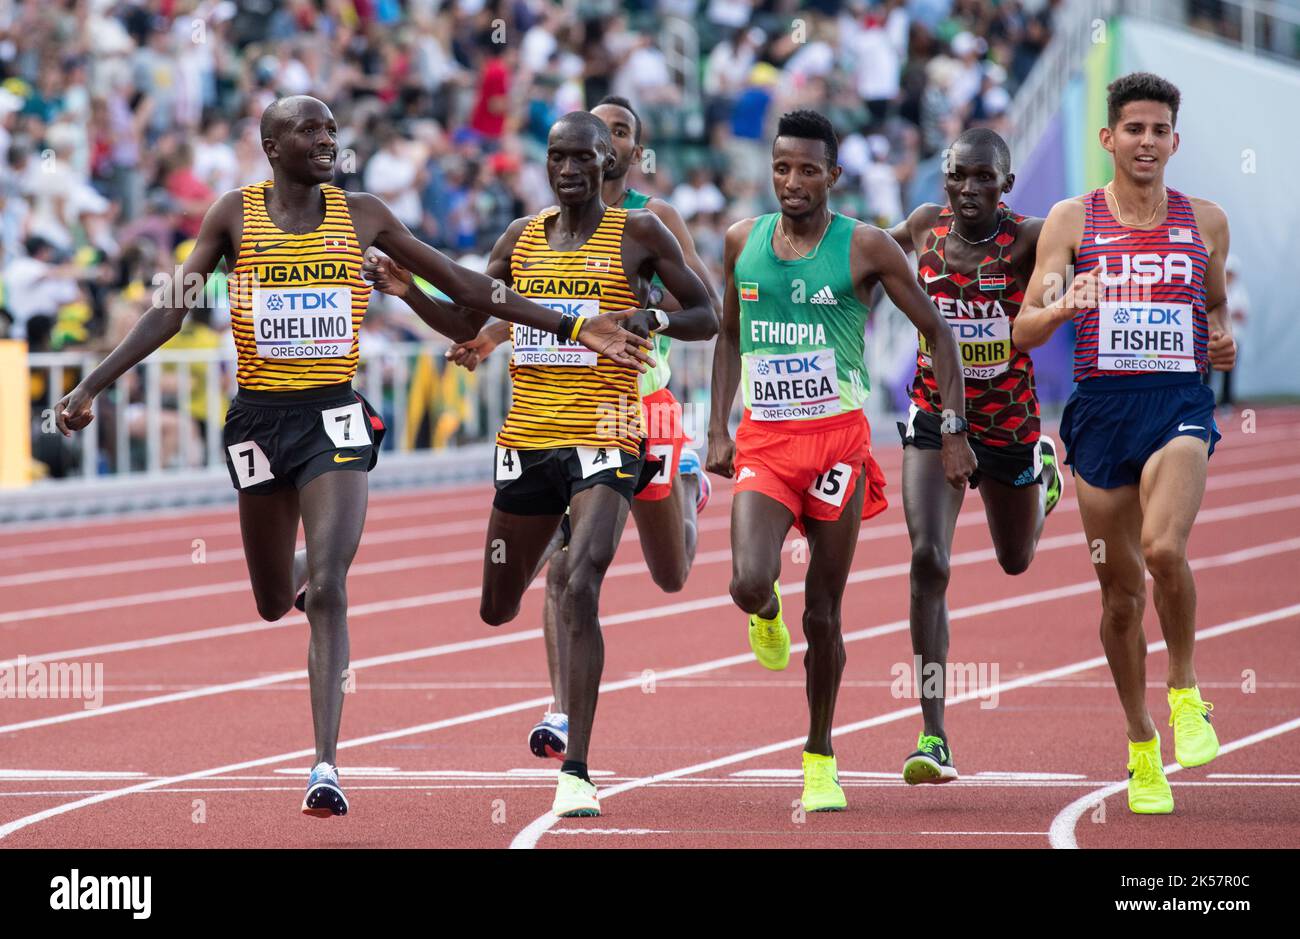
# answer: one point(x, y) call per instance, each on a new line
point(336, 243)
point(597, 265)
point(749, 292)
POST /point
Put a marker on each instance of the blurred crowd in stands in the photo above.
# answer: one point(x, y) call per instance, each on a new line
point(121, 121)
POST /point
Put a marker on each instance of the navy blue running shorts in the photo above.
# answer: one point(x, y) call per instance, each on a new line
point(1112, 425)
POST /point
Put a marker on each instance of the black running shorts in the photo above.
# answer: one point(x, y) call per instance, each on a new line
point(288, 438)
point(543, 482)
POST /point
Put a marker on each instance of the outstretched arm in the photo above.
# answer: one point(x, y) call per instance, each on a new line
point(458, 323)
point(601, 334)
point(161, 321)
point(1048, 303)
point(877, 253)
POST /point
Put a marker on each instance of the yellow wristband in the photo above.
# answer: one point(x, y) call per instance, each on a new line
point(577, 326)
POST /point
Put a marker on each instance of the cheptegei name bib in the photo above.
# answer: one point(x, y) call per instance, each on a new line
point(303, 323)
point(793, 387)
point(533, 346)
point(985, 345)
point(1145, 337)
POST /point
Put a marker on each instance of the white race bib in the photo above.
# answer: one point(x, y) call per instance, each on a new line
point(303, 323)
point(665, 453)
point(250, 463)
point(1145, 337)
point(832, 485)
point(794, 386)
point(597, 459)
point(985, 345)
point(346, 426)
point(533, 346)
point(508, 465)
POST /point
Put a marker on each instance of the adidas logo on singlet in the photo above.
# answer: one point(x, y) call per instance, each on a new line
point(825, 296)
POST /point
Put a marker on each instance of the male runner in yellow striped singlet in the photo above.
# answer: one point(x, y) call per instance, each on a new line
point(573, 438)
point(294, 247)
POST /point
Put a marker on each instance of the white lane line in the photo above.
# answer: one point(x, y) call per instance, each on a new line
point(606, 688)
point(528, 837)
point(815, 833)
point(1062, 829)
point(672, 609)
point(182, 555)
point(444, 500)
point(635, 568)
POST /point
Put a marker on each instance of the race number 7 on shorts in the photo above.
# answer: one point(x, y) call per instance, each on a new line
point(1145, 337)
point(793, 386)
point(346, 426)
point(533, 346)
point(306, 323)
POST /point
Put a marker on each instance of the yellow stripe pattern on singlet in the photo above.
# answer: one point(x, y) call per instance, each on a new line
point(574, 405)
point(296, 301)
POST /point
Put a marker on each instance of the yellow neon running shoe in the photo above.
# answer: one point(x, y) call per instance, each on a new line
point(1148, 789)
point(821, 785)
point(575, 797)
point(769, 638)
point(1052, 478)
point(1195, 742)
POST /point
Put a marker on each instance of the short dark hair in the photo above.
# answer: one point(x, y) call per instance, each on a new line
point(591, 121)
point(809, 125)
point(620, 102)
point(1140, 86)
point(979, 137)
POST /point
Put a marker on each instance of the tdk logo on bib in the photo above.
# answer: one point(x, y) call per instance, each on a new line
point(303, 324)
point(1150, 316)
point(533, 346)
point(793, 365)
point(1147, 268)
point(971, 330)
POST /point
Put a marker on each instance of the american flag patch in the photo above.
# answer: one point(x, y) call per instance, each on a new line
point(993, 282)
point(336, 243)
point(599, 265)
point(749, 292)
point(1180, 236)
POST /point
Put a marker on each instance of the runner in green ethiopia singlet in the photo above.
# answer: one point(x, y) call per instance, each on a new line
point(656, 378)
point(802, 327)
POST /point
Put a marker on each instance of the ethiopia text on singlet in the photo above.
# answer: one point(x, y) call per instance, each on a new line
point(802, 327)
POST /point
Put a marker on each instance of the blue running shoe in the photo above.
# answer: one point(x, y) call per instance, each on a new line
point(550, 737)
point(324, 794)
point(689, 465)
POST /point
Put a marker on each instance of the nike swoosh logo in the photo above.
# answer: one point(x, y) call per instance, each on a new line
point(258, 249)
point(931, 279)
point(1182, 427)
point(1101, 240)
point(339, 458)
point(622, 475)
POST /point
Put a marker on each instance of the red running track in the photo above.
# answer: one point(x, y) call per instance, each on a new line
point(202, 737)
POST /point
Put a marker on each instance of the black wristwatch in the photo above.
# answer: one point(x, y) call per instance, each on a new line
point(952, 424)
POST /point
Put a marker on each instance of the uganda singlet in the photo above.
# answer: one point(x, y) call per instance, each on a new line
point(296, 301)
point(564, 394)
point(1001, 405)
point(656, 378)
point(1151, 289)
point(802, 327)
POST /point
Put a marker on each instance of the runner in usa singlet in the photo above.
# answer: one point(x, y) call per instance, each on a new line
point(1150, 317)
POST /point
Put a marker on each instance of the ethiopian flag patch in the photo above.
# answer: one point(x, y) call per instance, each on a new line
point(749, 292)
